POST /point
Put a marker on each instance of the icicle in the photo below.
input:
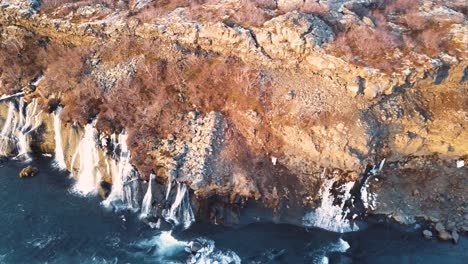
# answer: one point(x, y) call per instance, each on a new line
point(59, 155)
point(147, 200)
point(88, 174)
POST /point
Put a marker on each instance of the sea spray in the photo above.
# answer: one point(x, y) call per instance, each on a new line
point(167, 249)
point(320, 256)
point(59, 159)
point(88, 173)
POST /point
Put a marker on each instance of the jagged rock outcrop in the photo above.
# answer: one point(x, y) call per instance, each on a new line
point(309, 116)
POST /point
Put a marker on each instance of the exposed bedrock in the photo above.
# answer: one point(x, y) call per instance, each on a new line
point(285, 129)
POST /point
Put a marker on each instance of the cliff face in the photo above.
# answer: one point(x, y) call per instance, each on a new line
point(269, 111)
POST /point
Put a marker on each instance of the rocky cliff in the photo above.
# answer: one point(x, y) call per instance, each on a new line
point(359, 102)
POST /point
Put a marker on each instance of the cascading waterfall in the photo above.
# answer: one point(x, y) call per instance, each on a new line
point(169, 187)
point(181, 212)
point(16, 132)
point(59, 155)
point(30, 120)
point(119, 167)
point(15, 137)
point(131, 191)
point(88, 174)
point(369, 199)
point(331, 214)
point(147, 200)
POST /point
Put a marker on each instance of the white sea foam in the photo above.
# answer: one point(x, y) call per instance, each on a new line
point(167, 249)
point(320, 256)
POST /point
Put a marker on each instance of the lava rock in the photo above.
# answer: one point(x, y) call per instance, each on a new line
point(427, 234)
point(29, 171)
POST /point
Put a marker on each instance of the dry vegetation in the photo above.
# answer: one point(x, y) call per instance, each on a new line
point(165, 88)
point(378, 46)
point(149, 104)
point(17, 64)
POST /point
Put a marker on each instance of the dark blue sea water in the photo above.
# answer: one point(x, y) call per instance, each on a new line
point(41, 221)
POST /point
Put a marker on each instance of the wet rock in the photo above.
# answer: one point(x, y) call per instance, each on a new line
point(455, 236)
point(399, 218)
point(439, 227)
point(104, 189)
point(29, 171)
point(444, 235)
point(427, 234)
point(194, 247)
point(450, 225)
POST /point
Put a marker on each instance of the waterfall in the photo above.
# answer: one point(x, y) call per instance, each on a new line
point(169, 186)
point(331, 214)
point(131, 191)
point(15, 135)
point(119, 167)
point(147, 200)
point(181, 212)
point(88, 174)
point(30, 120)
point(369, 199)
point(59, 155)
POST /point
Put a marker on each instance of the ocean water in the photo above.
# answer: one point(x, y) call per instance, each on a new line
point(43, 221)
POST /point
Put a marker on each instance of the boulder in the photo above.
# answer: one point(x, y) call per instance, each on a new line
point(29, 171)
point(427, 234)
point(439, 227)
point(194, 247)
point(444, 235)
